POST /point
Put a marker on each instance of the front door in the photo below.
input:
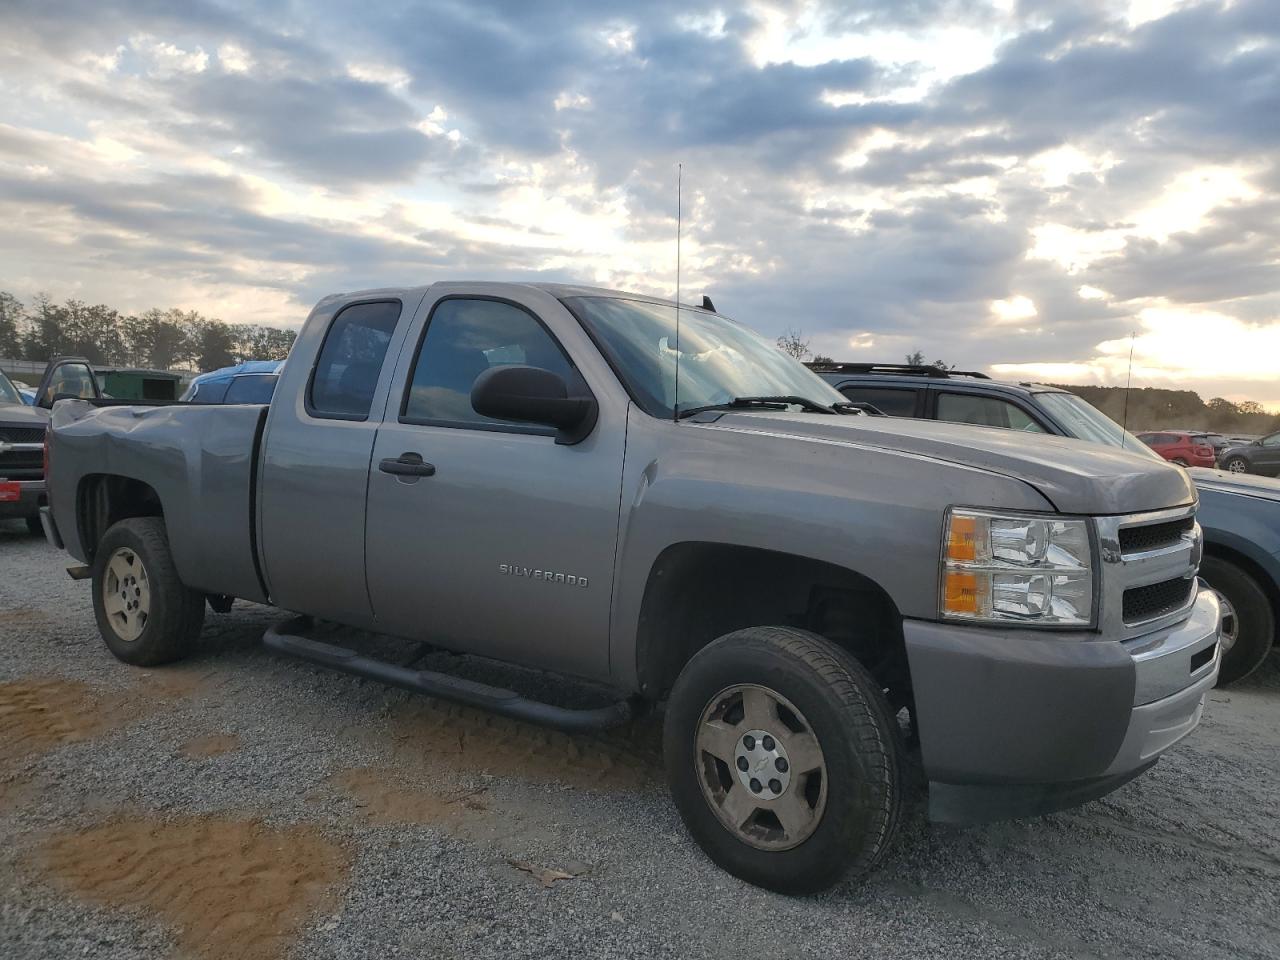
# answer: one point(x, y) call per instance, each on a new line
point(502, 542)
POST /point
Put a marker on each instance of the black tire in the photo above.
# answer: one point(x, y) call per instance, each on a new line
point(35, 527)
point(1240, 462)
point(1256, 620)
point(174, 613)
point(860, 744)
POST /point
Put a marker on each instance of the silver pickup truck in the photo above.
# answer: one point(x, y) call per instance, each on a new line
point(564, 477)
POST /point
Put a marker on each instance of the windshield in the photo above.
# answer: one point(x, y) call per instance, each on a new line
point(1084, 421)
point(8, 392)
point(719, 359)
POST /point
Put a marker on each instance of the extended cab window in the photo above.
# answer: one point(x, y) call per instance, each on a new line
point(889, 400)
point(984, 412)
point(351, 360)
point(465, 338)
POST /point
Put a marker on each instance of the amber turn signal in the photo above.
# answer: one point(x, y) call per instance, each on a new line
point(961, 593)
point(962, 541)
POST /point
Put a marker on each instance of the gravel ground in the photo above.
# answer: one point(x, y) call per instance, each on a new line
point(244, 805)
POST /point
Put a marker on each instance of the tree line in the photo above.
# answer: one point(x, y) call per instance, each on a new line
point(157, 339)
point(1154, 408)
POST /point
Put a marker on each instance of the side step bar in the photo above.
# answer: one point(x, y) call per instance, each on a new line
point(284, 638)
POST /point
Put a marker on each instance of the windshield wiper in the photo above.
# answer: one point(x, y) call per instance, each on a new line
point(780, 403)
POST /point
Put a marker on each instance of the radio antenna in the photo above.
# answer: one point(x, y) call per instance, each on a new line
point(675, 403)
point(1124, 427)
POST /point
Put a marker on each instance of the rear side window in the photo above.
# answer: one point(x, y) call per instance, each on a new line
point(464, 339)
point(257, 388)
point(896, 403)
point(346, 374)
point(985, 412)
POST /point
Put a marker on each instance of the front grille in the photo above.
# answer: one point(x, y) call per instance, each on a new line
point(1156, 599)
point(21, 434)
point(1154, 536)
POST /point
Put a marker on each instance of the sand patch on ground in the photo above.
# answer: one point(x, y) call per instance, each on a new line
point(226, 888)
point(24, 617)
point(38, 715)
point(210, 745)
point(385, 797)
point(435, 733)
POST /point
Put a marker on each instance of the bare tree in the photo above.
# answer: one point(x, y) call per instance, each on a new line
point(793, 343)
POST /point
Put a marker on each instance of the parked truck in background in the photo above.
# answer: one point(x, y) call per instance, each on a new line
point(563, 477)
point(22, 435)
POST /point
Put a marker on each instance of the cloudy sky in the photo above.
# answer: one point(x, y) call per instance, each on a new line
point(1017, 184)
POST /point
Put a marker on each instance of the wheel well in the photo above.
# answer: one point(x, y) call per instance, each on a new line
point(1268, 585)
point(104, 500)
point(697, 592)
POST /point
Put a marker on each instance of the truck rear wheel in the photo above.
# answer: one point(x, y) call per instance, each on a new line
point(1248, 623)
point(783, 759)
point(146, 615)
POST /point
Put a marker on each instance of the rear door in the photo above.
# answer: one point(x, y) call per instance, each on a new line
point(985, 411)
point(505, 545)
point(316, 449)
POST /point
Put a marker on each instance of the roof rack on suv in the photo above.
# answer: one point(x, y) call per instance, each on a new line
point(907, 369)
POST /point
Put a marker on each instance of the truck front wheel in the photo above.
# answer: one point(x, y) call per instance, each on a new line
point(783, 759)
point(146, 615)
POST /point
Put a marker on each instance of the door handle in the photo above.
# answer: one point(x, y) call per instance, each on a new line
point(407, 465)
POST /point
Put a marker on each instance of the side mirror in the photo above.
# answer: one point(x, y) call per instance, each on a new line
point(534, 395)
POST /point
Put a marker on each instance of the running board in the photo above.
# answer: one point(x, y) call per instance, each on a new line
point(284, 638)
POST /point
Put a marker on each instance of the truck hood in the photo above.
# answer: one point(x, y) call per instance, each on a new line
point(20, 415)
point(1241, 484)
point(1076, 476)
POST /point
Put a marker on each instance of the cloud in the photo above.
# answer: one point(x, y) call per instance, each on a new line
point(988, 182)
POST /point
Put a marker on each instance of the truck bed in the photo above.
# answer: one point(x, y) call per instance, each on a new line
point(200, 461)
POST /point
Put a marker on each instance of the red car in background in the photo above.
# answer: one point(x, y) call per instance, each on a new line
point(1184, 449)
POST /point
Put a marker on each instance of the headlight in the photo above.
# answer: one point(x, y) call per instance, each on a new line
point(1035, 570)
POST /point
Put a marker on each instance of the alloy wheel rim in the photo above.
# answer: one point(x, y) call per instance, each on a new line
point(1230, 624)
point(126, 594)
point(1236, 466)
point(760, 767)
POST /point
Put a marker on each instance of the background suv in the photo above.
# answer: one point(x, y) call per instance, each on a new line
point(1260, 456)
point(1184, 449)
point(1240, 516)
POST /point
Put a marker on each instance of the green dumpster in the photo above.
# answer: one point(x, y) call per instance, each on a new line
point(135, 384)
